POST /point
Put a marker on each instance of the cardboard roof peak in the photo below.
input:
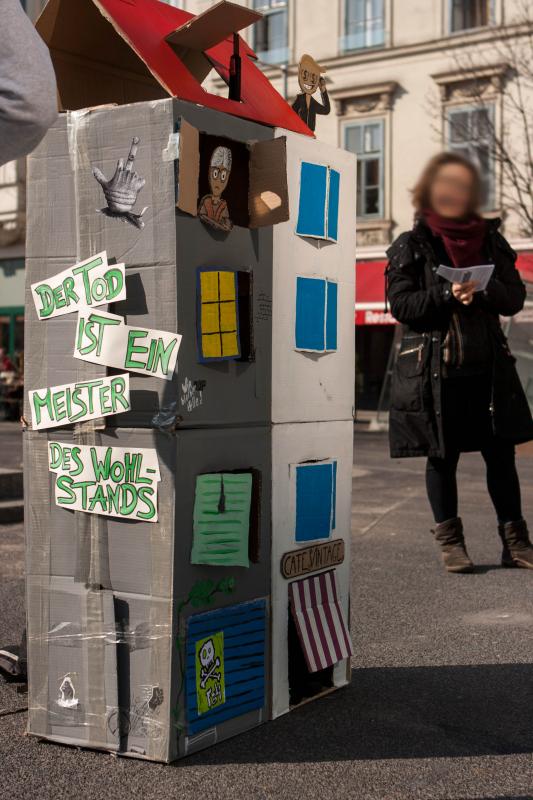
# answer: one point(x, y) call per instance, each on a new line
point(123, 51)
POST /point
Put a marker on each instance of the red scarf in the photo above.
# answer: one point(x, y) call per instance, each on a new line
point(463, 239)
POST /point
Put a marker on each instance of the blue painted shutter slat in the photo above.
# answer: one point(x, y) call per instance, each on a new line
point(333, 204)
point(331, 316)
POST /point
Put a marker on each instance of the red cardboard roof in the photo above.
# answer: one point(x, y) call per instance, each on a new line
point(144, 26)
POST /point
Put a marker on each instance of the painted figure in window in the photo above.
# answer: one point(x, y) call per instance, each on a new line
point(310, 79)
point(213, 210)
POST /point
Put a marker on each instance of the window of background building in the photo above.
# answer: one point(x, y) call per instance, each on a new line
point(471, 133)
point(465, 14)
point(366, 140)
point(364, 24)
point(271, 34)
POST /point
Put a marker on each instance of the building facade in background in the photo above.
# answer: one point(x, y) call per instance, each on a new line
point(407, 78)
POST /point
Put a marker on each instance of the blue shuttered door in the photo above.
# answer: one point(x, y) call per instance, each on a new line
point(244, 629)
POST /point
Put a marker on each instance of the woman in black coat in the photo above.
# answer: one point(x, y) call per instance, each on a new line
point(455, 387)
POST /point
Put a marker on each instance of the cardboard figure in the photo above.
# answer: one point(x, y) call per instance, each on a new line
point(213, 210)
point(121, 191)
point(309, 78)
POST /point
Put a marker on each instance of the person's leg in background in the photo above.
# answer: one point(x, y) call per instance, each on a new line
point(441, 486)
point(503, 485)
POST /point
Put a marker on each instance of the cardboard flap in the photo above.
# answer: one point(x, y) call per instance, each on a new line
point(196, 62)
point(213, 26)
point(94, 65)
point(268, 197)
point(189, 168)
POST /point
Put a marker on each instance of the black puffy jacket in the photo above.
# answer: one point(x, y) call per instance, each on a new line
point(423, 302)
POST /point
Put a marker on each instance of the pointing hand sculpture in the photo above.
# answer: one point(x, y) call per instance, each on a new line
point(121, 191)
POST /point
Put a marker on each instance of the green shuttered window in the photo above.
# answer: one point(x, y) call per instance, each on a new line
point(221, 520)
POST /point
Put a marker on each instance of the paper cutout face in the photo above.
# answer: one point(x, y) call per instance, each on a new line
point(218, 180)
point(121, 191)
point(309, 75)
point(213, 210)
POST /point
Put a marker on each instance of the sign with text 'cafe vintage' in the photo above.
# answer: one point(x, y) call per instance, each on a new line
point(77, 402)
point(103, 338)
point(89, 283)
point(313, 558)
point(114, 481)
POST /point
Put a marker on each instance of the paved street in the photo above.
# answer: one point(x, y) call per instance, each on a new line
point(440, 704)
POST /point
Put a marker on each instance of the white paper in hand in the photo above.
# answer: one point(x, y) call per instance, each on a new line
point(480, 274)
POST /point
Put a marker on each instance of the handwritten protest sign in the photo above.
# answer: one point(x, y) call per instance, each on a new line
point(115, 481)
point(89, 283)
point(76, 402)
point(104, 338)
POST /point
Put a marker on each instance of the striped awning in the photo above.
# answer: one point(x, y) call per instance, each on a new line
point(319, 621)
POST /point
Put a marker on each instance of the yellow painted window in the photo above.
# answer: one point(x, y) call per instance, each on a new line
point(218, 309)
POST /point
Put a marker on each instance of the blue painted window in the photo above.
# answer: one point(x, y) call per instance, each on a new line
point(243, 662)
point(316, 495)
point(316, 314)
point(318, 212)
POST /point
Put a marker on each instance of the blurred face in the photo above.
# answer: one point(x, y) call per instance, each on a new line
point(451, 191)
point(218, 179)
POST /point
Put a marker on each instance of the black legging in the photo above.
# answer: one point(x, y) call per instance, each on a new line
point(502, 483)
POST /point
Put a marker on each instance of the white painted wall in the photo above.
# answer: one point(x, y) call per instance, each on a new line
point(292, 444)
point(308, 387)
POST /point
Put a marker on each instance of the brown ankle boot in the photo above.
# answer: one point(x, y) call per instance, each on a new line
point(450, 537)
point(517, 549)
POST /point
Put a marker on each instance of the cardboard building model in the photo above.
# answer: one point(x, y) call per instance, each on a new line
point(189, 389)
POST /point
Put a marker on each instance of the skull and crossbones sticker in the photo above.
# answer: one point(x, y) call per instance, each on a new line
point(209, 664)
point(210, 672)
